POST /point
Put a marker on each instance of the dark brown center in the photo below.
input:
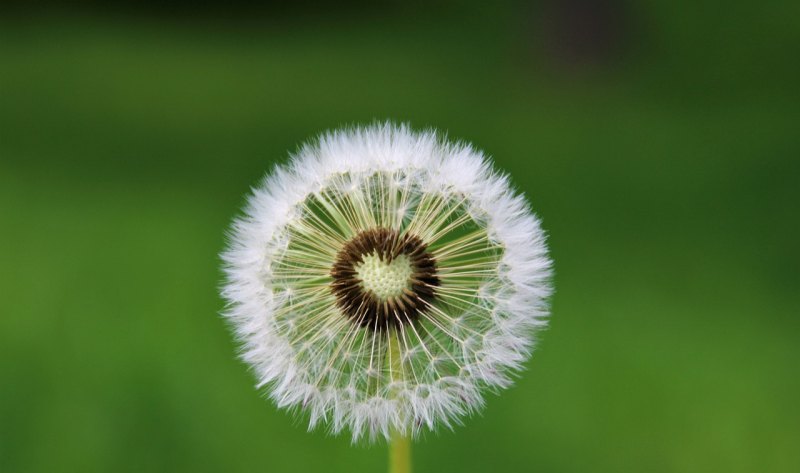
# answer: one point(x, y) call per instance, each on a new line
point(381, 310)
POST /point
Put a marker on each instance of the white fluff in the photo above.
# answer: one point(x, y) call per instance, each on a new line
point(318, 361)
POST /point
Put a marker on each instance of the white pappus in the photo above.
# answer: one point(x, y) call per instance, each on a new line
point(383, 279)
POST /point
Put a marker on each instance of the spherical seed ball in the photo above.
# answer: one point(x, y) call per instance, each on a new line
point(384, 279)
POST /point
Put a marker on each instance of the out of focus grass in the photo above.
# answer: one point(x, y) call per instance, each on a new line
point(668, 185)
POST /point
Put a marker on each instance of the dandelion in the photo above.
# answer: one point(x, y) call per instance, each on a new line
point(383, 280)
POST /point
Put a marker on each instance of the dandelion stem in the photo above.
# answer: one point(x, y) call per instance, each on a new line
point(400, 443)
point(400, 453)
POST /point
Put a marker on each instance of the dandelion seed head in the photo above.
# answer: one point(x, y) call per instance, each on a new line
point(384, 280)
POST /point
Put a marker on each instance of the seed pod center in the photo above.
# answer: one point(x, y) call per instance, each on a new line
point(383, 279)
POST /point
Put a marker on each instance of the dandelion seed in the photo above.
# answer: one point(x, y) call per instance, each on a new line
point(384, 279)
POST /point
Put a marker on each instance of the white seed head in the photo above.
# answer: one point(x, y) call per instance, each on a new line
point(384, 279)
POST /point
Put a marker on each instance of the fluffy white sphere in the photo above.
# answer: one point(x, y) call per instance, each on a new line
point(383, 279)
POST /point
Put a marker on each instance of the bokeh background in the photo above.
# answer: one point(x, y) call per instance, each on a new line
point(659, 141)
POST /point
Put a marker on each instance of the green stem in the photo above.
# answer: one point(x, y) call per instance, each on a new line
point(399, 453)
point(400, 444)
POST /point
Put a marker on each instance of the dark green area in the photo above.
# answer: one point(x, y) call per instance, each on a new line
point(668, 180)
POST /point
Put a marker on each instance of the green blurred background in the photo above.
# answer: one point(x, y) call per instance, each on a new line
point(659, 141)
